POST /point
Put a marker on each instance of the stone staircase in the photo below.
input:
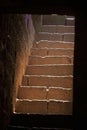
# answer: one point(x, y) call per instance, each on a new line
point(47, 86)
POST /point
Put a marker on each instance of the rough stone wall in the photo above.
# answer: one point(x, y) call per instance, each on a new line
point(16, 38)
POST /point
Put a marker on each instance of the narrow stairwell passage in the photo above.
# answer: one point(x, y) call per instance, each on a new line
point(47, 86)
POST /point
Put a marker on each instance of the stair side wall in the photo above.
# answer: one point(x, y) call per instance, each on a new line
point(16, 38)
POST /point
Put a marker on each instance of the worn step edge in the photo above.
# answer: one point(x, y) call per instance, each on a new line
point(34, 128)
point(47, 88)
point(51, 41)
point(51, 65)
point(65, 76)
point(58, 25)
point(54, 56)
point(51, 33)
point(44, 100)
point(18, 127)
point(35, 48)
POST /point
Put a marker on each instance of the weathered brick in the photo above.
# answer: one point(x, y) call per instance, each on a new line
point(49, 70)
point(38, 60)
point(70, 21)
point(67, 52)
point(48, 28)
point(54, 44)
point(52, 51)
point(69, 37)
point(59, 94)
point(59, 107)
point(39, 52)
point(57, 29)
point(31, 106)
point(53, 19)
point(50, 36)
point(29, 92)
point(43, 80)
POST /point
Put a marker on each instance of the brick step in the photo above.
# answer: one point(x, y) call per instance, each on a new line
point(61, 69)
point(52, 51)
point(43, 107)
point(42, 92)
point(52, 44)
point(67, 37)
point(70, 21)
point(57, 29)
point(53, 19)
point(38, 60)
point(47, 80)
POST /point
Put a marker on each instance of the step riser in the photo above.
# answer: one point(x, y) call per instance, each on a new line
point(42, 93)
point(58, 29)
point(51, 52)
point(43, 44)
point(49, 70)
point(43, 107)
point(50, 60)
point(56, 37)
point(66, 82)
point(33, 107)
point(59, 94)
point(32, 93)
point(53, 20)
point(59, 108)
point(70, 22)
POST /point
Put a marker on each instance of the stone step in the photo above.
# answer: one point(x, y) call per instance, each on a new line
point(52, 44)
point(47, 80)
point(38, 60)
point(61, 69)
point(57, 29)
point(42, 92)
point(66, 37)
point(52, 51)
point(43, 107)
